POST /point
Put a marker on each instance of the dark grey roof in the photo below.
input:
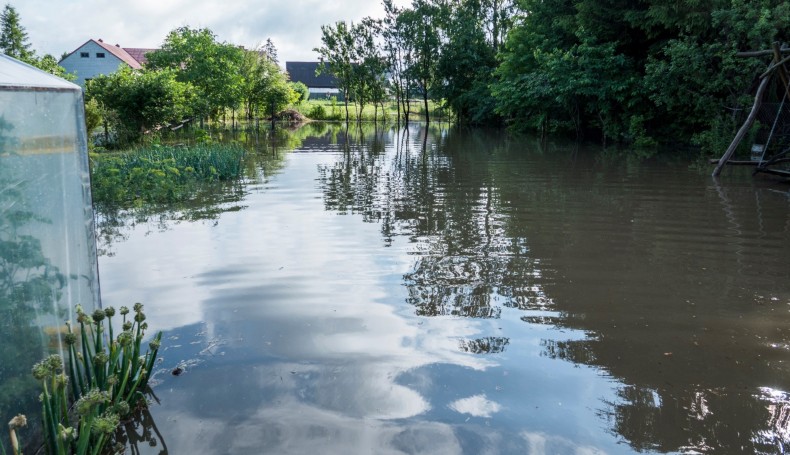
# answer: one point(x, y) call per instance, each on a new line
point(304, 72)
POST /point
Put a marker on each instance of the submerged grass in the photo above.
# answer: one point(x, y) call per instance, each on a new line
point(160, 174)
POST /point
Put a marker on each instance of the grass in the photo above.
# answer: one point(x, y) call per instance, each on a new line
point(160, 174)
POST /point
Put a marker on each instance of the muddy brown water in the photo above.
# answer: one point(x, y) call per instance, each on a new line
point(462, 292)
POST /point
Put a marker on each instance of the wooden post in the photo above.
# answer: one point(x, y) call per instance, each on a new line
point(758, 100)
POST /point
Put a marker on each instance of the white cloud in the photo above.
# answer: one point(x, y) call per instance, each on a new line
point(56, 27)
point(477, 406)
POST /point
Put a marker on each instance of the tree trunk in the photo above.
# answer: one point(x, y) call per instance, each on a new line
point(345, 101)
point(425, 103)
point(758, 99)
point(397, 102)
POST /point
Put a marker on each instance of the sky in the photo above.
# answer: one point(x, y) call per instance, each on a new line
point(58, 26)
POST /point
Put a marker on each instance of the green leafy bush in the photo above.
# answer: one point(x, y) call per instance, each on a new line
point(317, 112)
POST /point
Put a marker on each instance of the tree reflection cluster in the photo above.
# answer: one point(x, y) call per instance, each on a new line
point(488, 237)
point(469, 218)
point(486, 345)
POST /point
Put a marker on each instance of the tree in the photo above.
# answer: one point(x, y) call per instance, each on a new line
point(141, 100)
point(338, 54)
point(301, 90)
point(637, 72)
point(467, 62)
point(395, 55)
point(49, 64)
point(368, 83)
point(420, 24)
point(13, 37)
point(14, 43)
point(270, 50)
point(266, 87)
point(212, 68)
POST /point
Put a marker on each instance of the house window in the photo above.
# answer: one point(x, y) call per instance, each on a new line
point(100, 55)
point(84, 55)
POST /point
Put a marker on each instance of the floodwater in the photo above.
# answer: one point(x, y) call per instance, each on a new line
point(462, 292)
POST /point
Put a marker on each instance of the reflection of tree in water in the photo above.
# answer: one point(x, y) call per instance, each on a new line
point(648, 423)
point(487, 345)
point(694, 373)
point(30, 286)
point(446, 205)
point(265, 157)
point(469, 215)
point(729, 416)
point(207, 203)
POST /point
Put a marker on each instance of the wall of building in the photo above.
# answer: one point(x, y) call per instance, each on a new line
point(90, 66)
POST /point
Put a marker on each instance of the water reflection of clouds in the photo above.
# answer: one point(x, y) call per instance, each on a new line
point(320, 346)
point(545, 444)
point(304, 329)
point(477, 406)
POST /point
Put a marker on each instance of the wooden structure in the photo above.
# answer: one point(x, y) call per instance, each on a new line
point(768, 155)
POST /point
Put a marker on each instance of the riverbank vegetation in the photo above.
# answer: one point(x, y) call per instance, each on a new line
point(160, 174)
point(640, 73)
point(192, 78)
point(631, 72)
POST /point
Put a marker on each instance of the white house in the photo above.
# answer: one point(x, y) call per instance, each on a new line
point(95, 57)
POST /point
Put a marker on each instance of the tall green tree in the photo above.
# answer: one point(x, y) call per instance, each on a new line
point(421, 26)
point(265, 86)
point(339, 54)
point(13, 37)
point(141, 100)
point(212, 67)
point(467, 61)
point(637, 72)
point(368, 83)
point(396, 54)
point(14, 43)
point(498, 18)
point(270, 50)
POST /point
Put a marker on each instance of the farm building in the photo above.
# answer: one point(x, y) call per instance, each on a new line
point(95, 57)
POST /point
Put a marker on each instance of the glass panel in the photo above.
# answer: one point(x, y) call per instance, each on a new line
point(47, 246)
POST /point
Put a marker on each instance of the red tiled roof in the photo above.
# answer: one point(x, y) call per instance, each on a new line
point(120, 53)
point(138, 53)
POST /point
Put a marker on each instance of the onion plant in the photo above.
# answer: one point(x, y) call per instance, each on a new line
point(106, 378)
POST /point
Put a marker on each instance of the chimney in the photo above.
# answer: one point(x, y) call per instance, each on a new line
point(101, 40)
point(116, 45)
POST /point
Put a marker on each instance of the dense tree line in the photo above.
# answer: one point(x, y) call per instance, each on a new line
point(640, 71)
point(193, 76)
point(616, 70)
